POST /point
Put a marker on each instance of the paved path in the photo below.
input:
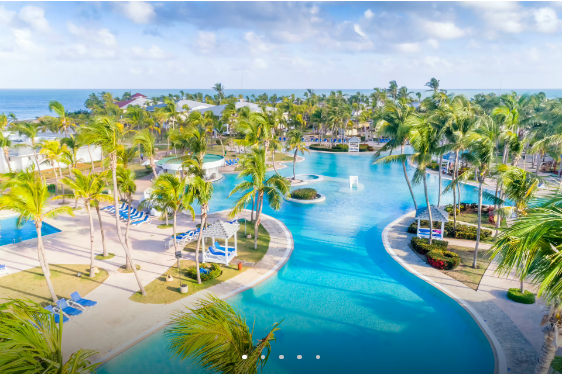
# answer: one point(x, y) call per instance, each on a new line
point(512, 328)
point(116, 322)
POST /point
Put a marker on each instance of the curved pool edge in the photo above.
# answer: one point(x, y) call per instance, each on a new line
point(274, 246)
point(499, 354)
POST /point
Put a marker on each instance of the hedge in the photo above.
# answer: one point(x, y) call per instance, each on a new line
point(213, 271)
point(443, 260)
point(365, 148)
point(524, 298)
point(335, 148)
point(422, 245)
point(304, 194)
point(462, 231)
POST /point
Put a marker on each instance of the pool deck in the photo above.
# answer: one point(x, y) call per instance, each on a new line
point(117, 323)
point(513, 329)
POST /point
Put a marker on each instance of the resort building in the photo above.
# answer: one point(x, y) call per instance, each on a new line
point(211, 166)
point(137, 99)
point(180, 105)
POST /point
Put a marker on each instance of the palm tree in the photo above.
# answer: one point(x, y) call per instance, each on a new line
point(396, 122)
point(202, 191)
point(53, 152)
point(147, 141)
point(64, 122)
point(216, 336)
point(125, 156)
point(433, 84)
point(274, 187)
point(296, 143)
point(219, 88)
point(88, 188)
point(96, 204)
point(219, 129)
point(6, 144)
point(392, 90)
point(532, 247)
point(30, 198)
point(127, 186)
point(136, 116)
point(108, 134)
point(31, 342)
point(30, 130)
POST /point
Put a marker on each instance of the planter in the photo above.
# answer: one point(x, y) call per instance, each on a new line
point(184, 288)
point(318, 199)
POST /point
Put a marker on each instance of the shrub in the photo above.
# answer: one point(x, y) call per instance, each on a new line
point(524, 298)
point(434, 166)
point(443, 260)
point(422, 245)
point(335, 148)
point(213, 271)
point(462, 231)
point(365, 148)
point(304, 194)
point(51, 188)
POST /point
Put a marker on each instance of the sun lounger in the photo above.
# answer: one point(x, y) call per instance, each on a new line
point(67, 309)
point(112, 207)
point(75, 296)
point(145, 219)
point(3, 269)
point(284, 139)
point(234, 221)
point(56, 313)
point(215, 250)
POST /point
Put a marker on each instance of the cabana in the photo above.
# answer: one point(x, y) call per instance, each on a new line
point(216, 252)
point(354, 144)
point(439, 215)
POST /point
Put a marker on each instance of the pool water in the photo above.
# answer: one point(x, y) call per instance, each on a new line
point(341, 295)
point(10, 233)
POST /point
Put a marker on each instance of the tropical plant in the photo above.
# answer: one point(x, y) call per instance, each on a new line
point(296, 143)
point(29, 197)
point(53, 152)
point(147, 141)
point(30, 130)
point(127, 186)
point(65, 123)
point(6, 144)
point(216, 336)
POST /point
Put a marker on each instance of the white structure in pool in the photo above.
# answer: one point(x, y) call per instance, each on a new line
point(353, 180)
point(354, 144)
point(211, 166)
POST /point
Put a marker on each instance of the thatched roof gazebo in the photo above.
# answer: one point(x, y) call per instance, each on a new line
point(439, 215)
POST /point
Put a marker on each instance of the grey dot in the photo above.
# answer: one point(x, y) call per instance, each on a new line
point(281, 357)
point(318, 357)
point(299, 357)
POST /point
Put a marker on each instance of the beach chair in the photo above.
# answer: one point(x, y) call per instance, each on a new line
point(284, 139)
point(68, 310)
point(279, 138)
point(339, 141)
point(217, 249)
point(76, 298)
point(324, 140)
point(303, 139)
point(145, 219)
point(124, 213)
point(49, 308)
point(234, 221)
point(3, 269)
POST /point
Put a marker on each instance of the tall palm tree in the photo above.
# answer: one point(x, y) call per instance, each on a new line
point(147, 141)
point(274, 187)
point(6, 144)
point(136, 116)
point(65, 123)
point(126, 156)
point(216, 336)
point(202, 191)
point(108, 134)
point(53, 152)
point(127, 186)
point(220, 89)
point(296, 143)
point(433, 84)
point(30, 198)
point(88, 188)
point(532, 247)
point(95, 203)
point(396, 122)
point(31, 342)
point(219, 129)
point(392, 90)
point(30, 130)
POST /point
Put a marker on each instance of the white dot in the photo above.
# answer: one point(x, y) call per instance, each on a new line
point(281, 357)
point(244, 357)
point(299, 357)
point(263, 357)
point(318, 357)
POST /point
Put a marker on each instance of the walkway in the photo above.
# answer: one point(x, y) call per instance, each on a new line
point(513, 329)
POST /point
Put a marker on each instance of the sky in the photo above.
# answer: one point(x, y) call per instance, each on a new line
point(270, 45)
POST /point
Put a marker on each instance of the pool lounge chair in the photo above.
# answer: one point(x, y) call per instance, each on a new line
point(112, 207)
point(145, 219)
point(3, 269)
point(124, 213)
point(284, 139)
point(68, 310)
point(217, 249)
point(56, 313)
point(424, 233)
point(75, 296)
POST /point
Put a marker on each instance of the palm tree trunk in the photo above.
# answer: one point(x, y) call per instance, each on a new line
point(274, 163)
point(113, 166)
point(428, 209)
point(105, 251)
point(36, 159)
point(174, 230)
point(538, 164)
point(91, 159)
point(407, 179)
point(200, 238)
point(87, 204)
point(454, 175)
point(7, 157)
point(153, 166)
point(475, 262)
point(44, 264)
point(440, 178)
point(259, 210)
point(295, 158)
point(548, 350)
point(253, 208)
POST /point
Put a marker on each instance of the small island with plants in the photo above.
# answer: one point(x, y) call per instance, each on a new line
point(305, 196)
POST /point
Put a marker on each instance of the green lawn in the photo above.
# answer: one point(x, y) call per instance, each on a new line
point(140, 170)
point(464, 272)
point(31, 284)
point(473, 218)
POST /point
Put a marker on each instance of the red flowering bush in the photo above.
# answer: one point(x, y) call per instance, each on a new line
point(443, 260)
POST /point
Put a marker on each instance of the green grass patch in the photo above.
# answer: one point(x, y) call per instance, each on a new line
point(31, 284)
point(140, 170)
point(165, 226)
point(160, 291)
point(245, 247)
point(102, 257)
point(473, 218)
point(464, 272)
point(524, 298)
point(122, 269)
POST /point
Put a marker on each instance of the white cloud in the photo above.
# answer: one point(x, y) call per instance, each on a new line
point(100, 36)
point(138, 11)
point(443, 30)
point(368, 14)
point(359, 31)
point(206, 41)
point(503, 16)
point(6, 16)
point(256, 43)
point(546, 20)
point(152, 53)
point(259, 63)
point(79, 51)
point(408, 47)
point(22, 38)
point(314, 10)
point(433, 43)
point(34, 17)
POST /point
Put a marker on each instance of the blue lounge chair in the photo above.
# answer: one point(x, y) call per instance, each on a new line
point(234, 221)
point(124, 213)
point(75, 296)
point(67, 309)
point(145, 219)
point(303, 139)
point(284, 139)
point(339, 141)
point(219, 250)
point(57, 316)
point(324, 140)
point(279, 138)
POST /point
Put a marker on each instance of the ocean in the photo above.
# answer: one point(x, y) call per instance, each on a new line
point(30, 104)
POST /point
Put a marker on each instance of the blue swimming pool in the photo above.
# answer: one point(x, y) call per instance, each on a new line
point(10, 233)
point(341, 295)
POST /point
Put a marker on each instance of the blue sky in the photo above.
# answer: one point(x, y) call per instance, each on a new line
point(280, 44)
